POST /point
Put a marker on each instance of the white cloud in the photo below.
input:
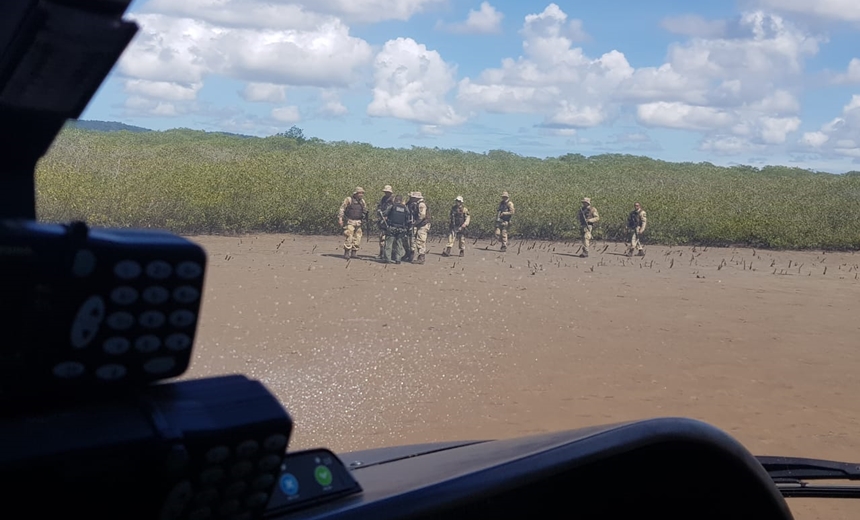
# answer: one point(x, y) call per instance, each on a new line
point(185, 51)
point(838, 137)
point(843, 10)
point(332, 106)
point(683, 116)
point(374, 10)
point(431, 130)
point(261, 14)
point(551, 78)
point(164, 90)
point(146, 107)
point(739, 87)
point(851, 75)
point(288, 114)
point(264, 93)
point(411, 83)
point(694, 25)
point(486, 20)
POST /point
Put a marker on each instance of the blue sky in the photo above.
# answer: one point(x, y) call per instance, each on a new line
point(746, 81)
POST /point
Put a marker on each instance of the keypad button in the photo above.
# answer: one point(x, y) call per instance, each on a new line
point(160, 365)
point(147, 344)
point(152, 319)
point(156, 295)
point(116, 345)
point(247, 448)
point(124, 295)
point(182, 318)
point(269, 462)
point(189, 270)
point(235, 489)
point(186, 294)
point(218, 454)
point(178, 342)
point(84, 263)
point(87, 322)
point(276, 442)
point(158, 270)
point(68, 369)
point(242, 469)
point(213, 475)
point(111, 372)
point(127, 269)
point(120, 321)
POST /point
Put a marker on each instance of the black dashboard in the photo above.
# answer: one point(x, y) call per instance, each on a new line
point(666, 468)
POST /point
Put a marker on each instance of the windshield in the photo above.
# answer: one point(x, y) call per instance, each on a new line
point(660, 211)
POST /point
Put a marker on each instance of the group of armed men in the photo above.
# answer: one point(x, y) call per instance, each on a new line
point(405, 225)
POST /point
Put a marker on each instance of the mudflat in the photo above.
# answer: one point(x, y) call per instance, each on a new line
point(762, 344)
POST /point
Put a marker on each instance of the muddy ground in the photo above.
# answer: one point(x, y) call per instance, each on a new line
point(762, 344)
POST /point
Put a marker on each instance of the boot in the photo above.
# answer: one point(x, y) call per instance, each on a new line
point(419, 260)
point(446, 252)
point(353, 253)
point(641, 252)
point(584, 254)
point(503, 249)
point(462, 252)
point(346, 253)
point(408, 257)
point(382, 251)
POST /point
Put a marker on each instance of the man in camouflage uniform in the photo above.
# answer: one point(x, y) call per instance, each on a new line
point(503, 220)
point(386, 201)
point(399, 220)
point(421, 226)
point(587, 218)
point(354, 210)
point(457, 223)
point(636, 222)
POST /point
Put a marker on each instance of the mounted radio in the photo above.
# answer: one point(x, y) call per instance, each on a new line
point(85, 309)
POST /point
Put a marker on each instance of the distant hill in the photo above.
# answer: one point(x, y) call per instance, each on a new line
point(105, 126)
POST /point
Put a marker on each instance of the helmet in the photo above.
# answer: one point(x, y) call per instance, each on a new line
point(459, 198)
point(358, 189)
point(505, 194)
point(387, 189)
point(586, 200)
point(417, 195)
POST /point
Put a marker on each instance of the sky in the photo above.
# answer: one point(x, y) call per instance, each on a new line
point(727, 81)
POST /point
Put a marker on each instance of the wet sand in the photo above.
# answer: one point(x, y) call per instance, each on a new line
point(762, 344)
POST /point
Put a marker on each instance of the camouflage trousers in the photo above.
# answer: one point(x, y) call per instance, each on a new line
point(459, 236)
point(420, 246)
point(634, 241)
point(586, 238)
point(353, 233)
point(502, 232)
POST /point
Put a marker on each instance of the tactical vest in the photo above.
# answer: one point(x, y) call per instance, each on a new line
point(386, 201)
point(503, 206)
point(458, 215)
point(398, 216)
point(584, 215)
point(355, 210)
point(634, 220)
